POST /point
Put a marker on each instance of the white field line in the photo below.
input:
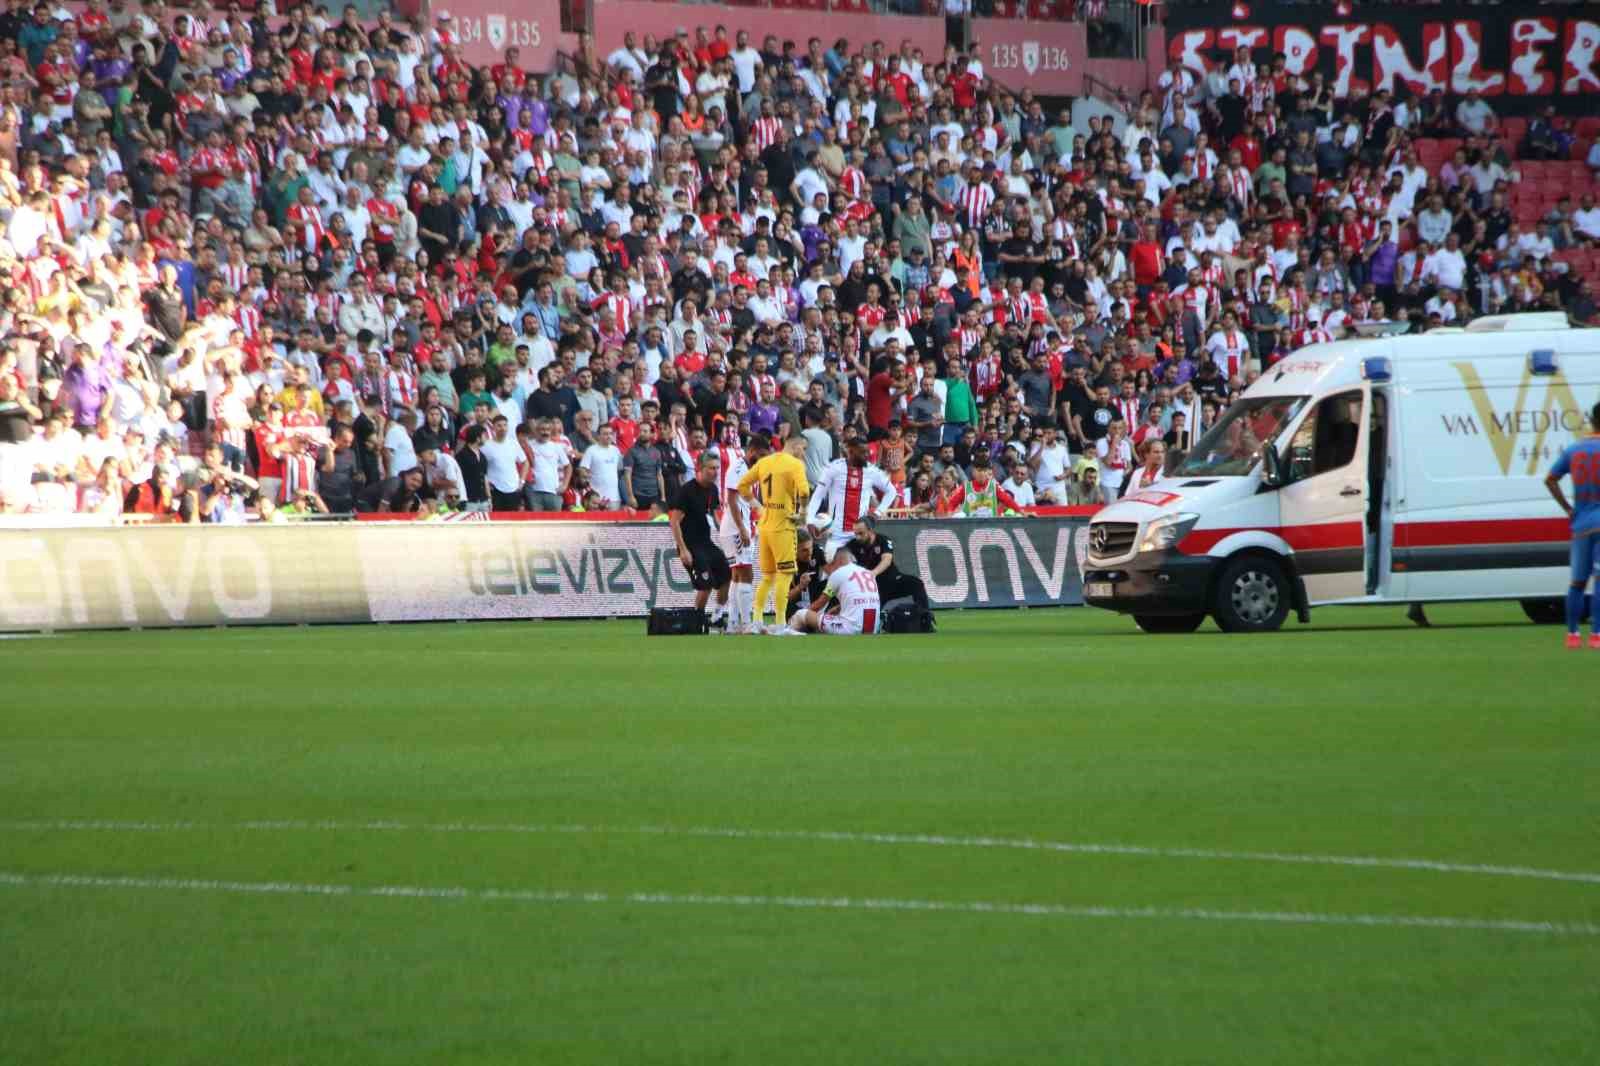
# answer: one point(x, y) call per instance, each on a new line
point(835, 903)
point(845, 837)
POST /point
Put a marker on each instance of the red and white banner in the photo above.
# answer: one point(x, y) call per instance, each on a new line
point(1524, 58)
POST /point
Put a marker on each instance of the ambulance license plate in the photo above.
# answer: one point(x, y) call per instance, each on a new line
point(1098, 588)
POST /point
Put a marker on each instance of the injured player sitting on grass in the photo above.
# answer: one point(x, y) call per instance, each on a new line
point(848, 605)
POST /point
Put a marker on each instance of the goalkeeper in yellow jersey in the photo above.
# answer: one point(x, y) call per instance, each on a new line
point(781, 480)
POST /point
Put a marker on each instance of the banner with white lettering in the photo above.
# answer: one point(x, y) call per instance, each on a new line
point(179, 575)
point(1005, 562)
point(107, 577)
point(1520, 58)
point(416, 572)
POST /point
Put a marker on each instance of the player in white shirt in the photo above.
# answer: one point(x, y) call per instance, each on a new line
point(737, 529)
point(851, 487)
point(855, 591)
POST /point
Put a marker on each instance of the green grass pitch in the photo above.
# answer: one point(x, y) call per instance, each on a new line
point(1036, 837)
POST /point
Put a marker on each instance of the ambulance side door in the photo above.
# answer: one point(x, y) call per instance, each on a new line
point(1323, 502)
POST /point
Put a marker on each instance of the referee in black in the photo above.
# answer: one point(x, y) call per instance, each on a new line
point(690, 516)
point(876, 552)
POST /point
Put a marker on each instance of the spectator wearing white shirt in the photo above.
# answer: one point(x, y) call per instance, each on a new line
point(1156, 182)
point(1286, 258)
point(629, 57)
point(1434, 221)
point(1539, 245)
point(1486, 174)
point(746, 63)
point(552, 470)
point(1018, 485)
point(399, 454)
point(439, 468)
point(891, 329)
point(505, 462)
point(1443, 304)
point(1138, 130)
point(1051, 463)
point(579, 258)
point(1586, 220)
point(1446, 267)
point(603, 463)
point(1475, 115)
point(764, 305)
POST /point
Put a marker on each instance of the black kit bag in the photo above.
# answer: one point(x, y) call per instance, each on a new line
point(676, 622)
point(904, 616)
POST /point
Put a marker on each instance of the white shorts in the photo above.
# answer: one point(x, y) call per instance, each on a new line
point(835, 542)
point(728, 541)
point(837, 625)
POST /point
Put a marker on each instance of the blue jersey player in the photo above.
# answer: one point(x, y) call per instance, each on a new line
point(1582, 463)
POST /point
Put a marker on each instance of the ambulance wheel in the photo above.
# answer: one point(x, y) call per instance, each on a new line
point(1169, 623)
point(1252, 595)
point(1545, 612)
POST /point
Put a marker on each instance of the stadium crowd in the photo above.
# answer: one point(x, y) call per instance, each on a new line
point(260, 267)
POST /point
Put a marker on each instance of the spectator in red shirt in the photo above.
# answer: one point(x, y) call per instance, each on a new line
point(883, 390)
point(271, 443)
point(1146, 259)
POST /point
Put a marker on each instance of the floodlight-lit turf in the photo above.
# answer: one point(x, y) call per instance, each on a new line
point(1036, 837)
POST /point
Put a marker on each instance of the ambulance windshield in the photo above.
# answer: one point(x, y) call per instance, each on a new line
point(1232, 447)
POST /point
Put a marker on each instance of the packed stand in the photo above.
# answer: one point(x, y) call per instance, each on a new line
point(332, 268)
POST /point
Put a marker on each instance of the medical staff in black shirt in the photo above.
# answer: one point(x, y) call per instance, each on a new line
point(874, 551)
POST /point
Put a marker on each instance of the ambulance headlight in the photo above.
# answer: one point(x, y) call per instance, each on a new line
point(1165, 532)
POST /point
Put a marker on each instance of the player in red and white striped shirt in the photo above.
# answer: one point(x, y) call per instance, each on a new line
point(851, 488)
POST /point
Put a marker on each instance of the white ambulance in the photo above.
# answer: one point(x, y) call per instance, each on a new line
point(1390, 469)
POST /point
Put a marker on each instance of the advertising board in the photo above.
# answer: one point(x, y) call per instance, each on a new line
point(77, 577)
